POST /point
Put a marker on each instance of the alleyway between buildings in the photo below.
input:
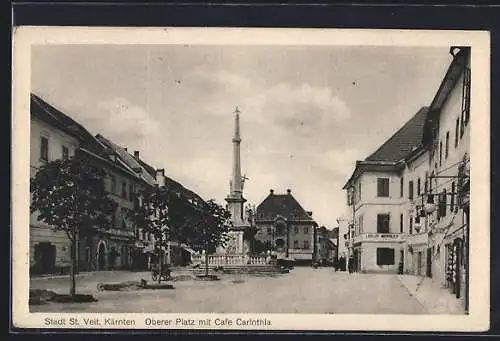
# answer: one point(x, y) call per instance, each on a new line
point(303, 290)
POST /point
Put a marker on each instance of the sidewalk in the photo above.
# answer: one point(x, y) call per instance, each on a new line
point(435, 299)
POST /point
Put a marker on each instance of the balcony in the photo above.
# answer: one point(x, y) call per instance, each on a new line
point(379, 237)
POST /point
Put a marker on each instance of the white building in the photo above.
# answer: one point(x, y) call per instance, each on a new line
point(448, 140)
point(51, 137)
point(376, 197)
point(410, 198)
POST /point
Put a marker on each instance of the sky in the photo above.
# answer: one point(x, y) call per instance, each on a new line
point(307, 113)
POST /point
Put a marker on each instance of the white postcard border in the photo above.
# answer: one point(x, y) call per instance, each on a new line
point(478, 318)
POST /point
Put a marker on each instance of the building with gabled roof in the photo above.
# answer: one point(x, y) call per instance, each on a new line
point(56, 135)
point(376, 195)
point(409, 198)
point(177, 254)
point(286, 226)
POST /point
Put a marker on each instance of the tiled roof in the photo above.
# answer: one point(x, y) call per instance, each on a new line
point(284, 205)
point(408, 138)
point(149, 173)
point(128, 160)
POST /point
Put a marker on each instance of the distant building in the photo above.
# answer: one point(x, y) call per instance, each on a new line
point(327, 245)
point(286, 226)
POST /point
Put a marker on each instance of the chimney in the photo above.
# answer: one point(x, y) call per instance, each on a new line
point(136, 155)
point(289, 191)
point(310, 213)
point(271, 191)
point(160, 177)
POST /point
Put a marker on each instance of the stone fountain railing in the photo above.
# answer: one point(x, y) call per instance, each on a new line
point(221, 260)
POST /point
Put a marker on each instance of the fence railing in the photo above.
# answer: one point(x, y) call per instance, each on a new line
point(221, 260)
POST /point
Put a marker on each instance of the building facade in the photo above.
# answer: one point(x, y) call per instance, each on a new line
point(50, 139)
point(411, 196)
point(448, 141)
point(283, 224)
point(56, 135)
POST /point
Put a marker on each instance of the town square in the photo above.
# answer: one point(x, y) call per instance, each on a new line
point(249, 179)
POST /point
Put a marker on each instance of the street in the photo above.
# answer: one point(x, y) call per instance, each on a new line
point(303, 290)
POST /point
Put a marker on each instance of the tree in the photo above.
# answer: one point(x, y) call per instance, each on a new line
point(163, 212)
point(70, 196)
point(208, 229)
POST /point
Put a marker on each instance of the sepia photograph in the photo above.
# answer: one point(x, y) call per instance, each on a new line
point(249, 177)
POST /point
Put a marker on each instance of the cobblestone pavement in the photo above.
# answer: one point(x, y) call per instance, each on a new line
point(303, 290)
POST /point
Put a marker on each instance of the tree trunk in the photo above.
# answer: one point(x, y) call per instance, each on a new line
point(206, 263)
point(287, 239)
point(160, 264)
point(72, 290)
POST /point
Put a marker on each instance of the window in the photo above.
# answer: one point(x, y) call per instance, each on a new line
point(410, 227)
point(269, 230)
point(131, 192)
point(360, 224)
point(452, 199)
point(359, 191)
point(430, 182)
point(382, 223)
point(65, 153)
point(306, 230)
point(124, 189)
point(457, 127)
point(385, 256)
point(113, 219)
point(143, 234)
point(419, 185)
point(44, 148)
point(426, 186)
point(466, 97)
point(382, 187)
point(442, 204)
point(112, 184)
point(440, 152)
point(401, 223)
point(124, 224)
point(401, 186)
point(410, 190)
point(296, 230)
point(295, 244)
point(447, 145)
point(306, 244)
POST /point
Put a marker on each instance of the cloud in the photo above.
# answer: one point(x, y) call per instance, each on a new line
point(124, 121)
point(302, 104)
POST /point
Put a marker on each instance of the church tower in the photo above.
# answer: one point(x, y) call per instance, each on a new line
point(235, 200)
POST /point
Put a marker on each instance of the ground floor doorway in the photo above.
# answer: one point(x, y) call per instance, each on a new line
point(45, 258)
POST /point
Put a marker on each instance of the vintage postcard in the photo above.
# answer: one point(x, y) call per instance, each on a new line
point(250, 179)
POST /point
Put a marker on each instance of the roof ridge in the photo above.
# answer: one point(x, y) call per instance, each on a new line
point(422, 110)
